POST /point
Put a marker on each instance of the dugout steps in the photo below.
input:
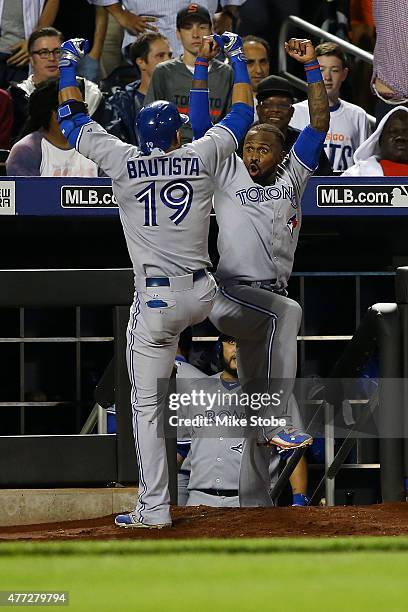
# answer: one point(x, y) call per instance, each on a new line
point(37, 506)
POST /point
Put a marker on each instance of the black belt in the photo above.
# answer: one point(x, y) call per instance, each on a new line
point(267, 285)
point(164, 281)
point(219, 492)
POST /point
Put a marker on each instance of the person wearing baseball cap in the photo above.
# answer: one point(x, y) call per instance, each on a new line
point(275, 99)
point(137, 16)
point(171, 80)
point(193, 12)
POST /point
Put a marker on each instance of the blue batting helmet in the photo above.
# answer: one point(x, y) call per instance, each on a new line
point(157, 124)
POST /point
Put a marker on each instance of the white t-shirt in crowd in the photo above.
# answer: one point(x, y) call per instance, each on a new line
point(349, 128)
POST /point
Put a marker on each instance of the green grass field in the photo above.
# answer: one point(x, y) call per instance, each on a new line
point(352, 574)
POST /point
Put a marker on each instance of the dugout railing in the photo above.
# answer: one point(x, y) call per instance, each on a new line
point(47, 460)
point(384, 331)
point(61, 460)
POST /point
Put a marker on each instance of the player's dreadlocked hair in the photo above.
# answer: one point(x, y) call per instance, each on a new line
point(41, 104)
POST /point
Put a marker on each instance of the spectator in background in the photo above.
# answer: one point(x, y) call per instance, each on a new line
point(6, 119)
point(257, 52)
point(17, 22)
point(264, 18)
point(172, 80)
point(148, 50)
point(44, 151)
point(390, 71)
point(80, 19)
point(44, 50)
point(362, 24)
point(362, 34)
point(385, 153)
point(275, 106)
point(137, 16)
point(349, 125)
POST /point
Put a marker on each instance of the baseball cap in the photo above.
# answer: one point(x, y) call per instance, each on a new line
point(274, 86)
point(193, 10)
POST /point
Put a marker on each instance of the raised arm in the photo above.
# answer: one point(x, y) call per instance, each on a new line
point(303, 51)
point(309, 144)
point(199, 106)
point(241, 114)
point(72, 112)
point(86, 135)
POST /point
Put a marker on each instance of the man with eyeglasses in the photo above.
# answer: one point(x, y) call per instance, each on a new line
point(44, 52)
point(18, 19)
point(275, 106)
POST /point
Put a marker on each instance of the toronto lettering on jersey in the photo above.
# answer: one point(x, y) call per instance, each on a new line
point(182, 102)
point(258, 195)
point(165, 166)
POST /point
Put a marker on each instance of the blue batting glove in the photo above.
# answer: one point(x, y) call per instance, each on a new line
point(232, 45)
point(72, 51)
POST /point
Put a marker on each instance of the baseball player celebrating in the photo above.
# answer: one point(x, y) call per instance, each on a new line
point(257, 203)
point(164, 194)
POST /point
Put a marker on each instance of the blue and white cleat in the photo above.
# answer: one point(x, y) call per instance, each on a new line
point(290, 438)
point(130, 520)
point(300, 500)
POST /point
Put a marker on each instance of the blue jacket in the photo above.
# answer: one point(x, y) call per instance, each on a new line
point(125, 105)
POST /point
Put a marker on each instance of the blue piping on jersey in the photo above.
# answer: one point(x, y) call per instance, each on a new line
point(230, 131)
point(302, 163)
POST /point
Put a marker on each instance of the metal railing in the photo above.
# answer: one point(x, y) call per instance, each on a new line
point(301, 24)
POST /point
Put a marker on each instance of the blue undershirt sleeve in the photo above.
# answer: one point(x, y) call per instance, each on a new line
point(200, 118)
point(239, 120)
point(308, 147)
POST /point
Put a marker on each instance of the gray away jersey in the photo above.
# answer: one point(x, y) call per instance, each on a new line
point(258, 226)
point(215, 458)
point(164, 199)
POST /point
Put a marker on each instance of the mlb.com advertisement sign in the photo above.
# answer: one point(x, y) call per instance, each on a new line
point(82, 196)
point(362, 196)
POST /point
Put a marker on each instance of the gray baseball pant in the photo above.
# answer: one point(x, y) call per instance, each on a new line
point(152, 338)
point(265, 325)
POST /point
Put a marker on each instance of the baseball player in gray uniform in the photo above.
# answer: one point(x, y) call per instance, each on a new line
point(257, 203)
point(214, 452)
point(164, 194)
point(209, 474)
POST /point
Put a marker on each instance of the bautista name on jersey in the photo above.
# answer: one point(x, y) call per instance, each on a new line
point(163, 166)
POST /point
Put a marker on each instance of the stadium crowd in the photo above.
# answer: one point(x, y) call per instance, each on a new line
point(145, 51)
point(140, 54)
